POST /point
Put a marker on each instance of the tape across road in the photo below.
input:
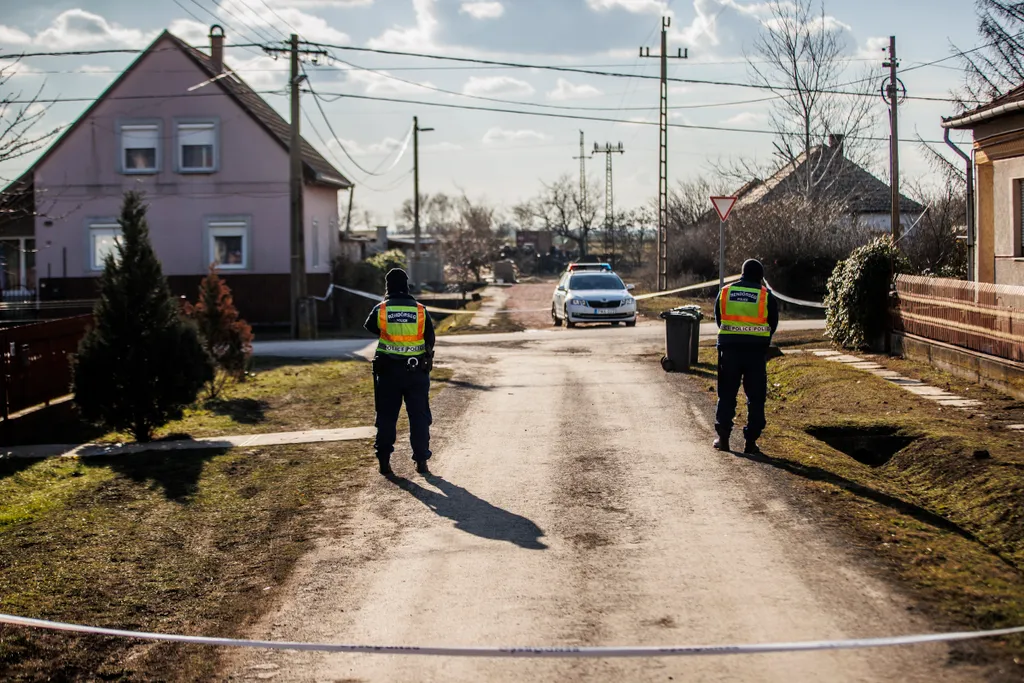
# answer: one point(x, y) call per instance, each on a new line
point(457, 311)
point(528, 652)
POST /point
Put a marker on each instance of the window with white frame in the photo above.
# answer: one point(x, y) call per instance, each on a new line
point(140, 147)
point(197, 147)
point(103, 239)
point(229, 244)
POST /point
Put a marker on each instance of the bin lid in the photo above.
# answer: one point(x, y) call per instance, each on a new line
point(680, 314)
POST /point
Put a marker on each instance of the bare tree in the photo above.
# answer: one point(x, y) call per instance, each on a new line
point(20, 136)
point(936, 244)
point(800, 57)
point(470, 242)
point(563, 210)
point(998, 66)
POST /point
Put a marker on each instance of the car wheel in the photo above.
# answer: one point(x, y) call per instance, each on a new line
point(631, 323)
point(667, 365)
point(554, 317)
point(569, 323)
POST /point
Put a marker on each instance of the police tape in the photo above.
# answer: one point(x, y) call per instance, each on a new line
point(526, 652)
point(795, 302)
point(456, 311)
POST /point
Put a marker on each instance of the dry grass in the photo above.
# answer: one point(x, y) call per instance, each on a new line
point(949, 525)
point(186, 542)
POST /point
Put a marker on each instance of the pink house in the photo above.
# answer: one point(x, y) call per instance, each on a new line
point(213, 162)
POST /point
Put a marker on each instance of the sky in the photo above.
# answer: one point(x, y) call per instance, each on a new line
point(501, 158)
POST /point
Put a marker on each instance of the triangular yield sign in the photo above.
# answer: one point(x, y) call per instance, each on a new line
point(723, 205)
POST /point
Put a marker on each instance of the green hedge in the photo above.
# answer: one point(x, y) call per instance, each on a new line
point(857, 302)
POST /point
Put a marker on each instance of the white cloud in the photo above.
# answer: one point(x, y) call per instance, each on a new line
point(312, 4)
point(77, 28)
point(266, 21)
point(378, 83)
point(746, 118)
point(91, 70)
point(262, 72)
point(874, 48)
point(419, 37)
point(11, 67)
point(192, 32)
point(388, 145)
point(497, 86)
point(483, 10)
point(565, 90)
point(12, 36)
point(635, 6)
point(501, 136)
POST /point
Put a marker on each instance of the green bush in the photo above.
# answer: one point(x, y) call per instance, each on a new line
point(386, 260)
point(857, 302)
point(142, 363)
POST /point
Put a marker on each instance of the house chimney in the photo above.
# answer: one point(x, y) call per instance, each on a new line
point(837, 142)
point(217, 47)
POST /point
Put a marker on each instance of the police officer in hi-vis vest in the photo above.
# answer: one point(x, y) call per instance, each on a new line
point(401, 370)
point(747, 315)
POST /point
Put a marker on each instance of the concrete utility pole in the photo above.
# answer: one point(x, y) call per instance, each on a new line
point(416, 196)
point(609, 203)
point(663, 151)
point(894, 91)
point(583, 172)
point(303, 310)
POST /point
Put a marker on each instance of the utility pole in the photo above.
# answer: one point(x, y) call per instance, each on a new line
point(609, 203)
point(663, 151)
point(416, 195)
point(894, 91)
point(303, 311)
point(583, 171)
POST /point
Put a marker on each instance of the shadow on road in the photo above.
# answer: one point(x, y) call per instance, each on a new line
point(462, 384)
point(474, 515)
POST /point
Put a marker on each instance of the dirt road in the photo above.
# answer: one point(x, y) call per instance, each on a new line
point(576, 501)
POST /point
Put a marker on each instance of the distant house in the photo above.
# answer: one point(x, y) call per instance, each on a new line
point(213, 159)
point(999, 158)
point(833, 175)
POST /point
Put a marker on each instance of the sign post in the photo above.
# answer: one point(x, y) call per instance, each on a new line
point(723, 206)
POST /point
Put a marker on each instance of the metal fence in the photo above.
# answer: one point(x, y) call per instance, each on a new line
point(34, 362)
point(978, 316)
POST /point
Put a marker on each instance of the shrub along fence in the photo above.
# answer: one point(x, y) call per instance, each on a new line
point(34, 364)
point(978, 316)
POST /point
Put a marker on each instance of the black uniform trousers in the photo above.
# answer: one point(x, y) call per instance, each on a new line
point(749, 367)
point(394, 383)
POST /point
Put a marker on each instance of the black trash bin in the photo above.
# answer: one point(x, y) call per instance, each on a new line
point(695, 311)
point(679, 333)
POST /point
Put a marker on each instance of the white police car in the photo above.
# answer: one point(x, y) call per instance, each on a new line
point(587, 294)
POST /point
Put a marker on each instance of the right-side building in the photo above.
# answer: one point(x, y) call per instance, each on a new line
point(998, 128)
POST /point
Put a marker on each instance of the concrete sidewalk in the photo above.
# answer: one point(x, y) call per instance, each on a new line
point(239, 441)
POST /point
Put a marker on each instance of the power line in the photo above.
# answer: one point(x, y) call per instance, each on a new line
point(55, 100)
point(331, 97)
point(614, 74)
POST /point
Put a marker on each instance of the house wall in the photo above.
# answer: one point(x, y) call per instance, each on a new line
point(1000, 163)
point(320, 204)
point(81, 180)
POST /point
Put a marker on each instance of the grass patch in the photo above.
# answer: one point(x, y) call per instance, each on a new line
point(194, 543)
point(456, 323)
point(949, 524)
point(185, 542)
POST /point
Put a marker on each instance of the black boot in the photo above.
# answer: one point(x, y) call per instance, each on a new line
point(421, 467)
point(751, 448)
point(385, 468)
point(721, 443)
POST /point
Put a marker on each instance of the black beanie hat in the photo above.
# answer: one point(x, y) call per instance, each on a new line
point(396, 281)
point(753, 271)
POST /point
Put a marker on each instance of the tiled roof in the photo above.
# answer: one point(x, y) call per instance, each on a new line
point(316, 167)
point(1011, 101)
point(833, 174)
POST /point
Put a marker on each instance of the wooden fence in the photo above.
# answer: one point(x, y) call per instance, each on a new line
point(34, 363)
point(978, 316)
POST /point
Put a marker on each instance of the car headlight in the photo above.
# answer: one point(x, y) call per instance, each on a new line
point(578, 302)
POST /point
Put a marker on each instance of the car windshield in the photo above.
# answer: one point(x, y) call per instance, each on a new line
point(595, 281)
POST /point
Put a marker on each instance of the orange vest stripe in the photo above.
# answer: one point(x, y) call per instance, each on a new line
point(421, 322)
point(762, 309)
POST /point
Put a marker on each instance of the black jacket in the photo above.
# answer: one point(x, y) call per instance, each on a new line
point(732, 341)
point(371, 325)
